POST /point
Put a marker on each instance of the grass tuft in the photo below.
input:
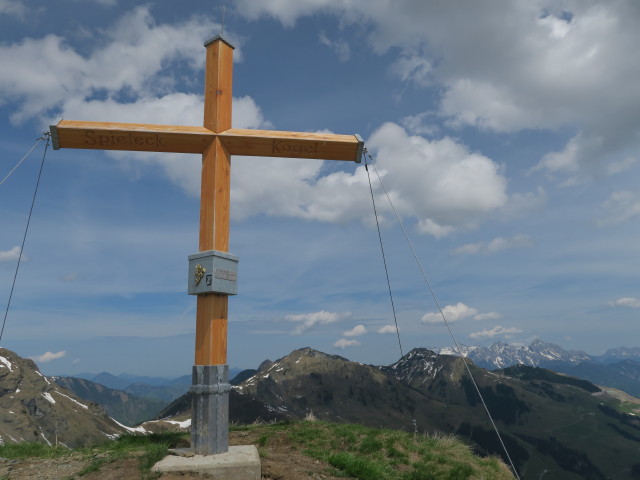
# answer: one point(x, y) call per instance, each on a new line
point(32, 449)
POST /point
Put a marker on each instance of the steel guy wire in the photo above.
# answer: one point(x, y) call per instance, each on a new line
point(384, 258)
point(24, 237)
point(444, 318)
point(22, 160)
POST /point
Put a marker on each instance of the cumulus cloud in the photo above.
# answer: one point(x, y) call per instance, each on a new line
point(626, 302)
point(387, 329)
point(356, 331)
point(574, 52)
point(457, 312)
point(498, 330)
point(344, 343)
point(131, 60)
point(10, 255)
point(496, 245)
point(468, 186)
point(48, 356)
point(308, 321)
point(453, 313)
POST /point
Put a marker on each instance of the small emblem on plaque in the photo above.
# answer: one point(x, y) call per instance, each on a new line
point(200, 271)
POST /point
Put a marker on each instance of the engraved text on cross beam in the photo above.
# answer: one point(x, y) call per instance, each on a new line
point(120, 139)
point(284, 147)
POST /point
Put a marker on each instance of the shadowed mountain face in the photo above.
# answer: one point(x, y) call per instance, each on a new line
point(547, 421)
point(35, 409)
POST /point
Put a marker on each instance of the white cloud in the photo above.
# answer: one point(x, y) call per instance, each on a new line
point(344, 343)
point(574, 50)
point(524, 202)
point(468, 186)
point(417, 124)
point(13, 7)
point(356, 331)
point(413, 68)
point(307, 321)
point(452, 313)
point(498, 330)
point(496, 245)
point(131, 60)
point(457, 312)
point(622, 165)
point(339, 46)
point(11, 255)
point(626, 302)
point(70, 277)
point(48, 356)
point(387, 329)
point(620, 207)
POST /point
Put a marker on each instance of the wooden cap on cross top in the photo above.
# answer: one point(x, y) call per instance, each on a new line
point(216, 38)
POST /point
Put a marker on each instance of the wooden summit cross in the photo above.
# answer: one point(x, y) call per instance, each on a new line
point(216, 141)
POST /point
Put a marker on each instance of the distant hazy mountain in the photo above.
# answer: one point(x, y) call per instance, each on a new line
point(502, 355)
point(35, 409)
point(161, 389)
point(617, 368)
point(120, 405)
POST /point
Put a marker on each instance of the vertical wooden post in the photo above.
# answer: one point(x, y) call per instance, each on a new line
point(210, 387)
point(211, 310)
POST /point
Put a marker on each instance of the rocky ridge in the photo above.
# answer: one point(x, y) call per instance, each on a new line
point(36, 409)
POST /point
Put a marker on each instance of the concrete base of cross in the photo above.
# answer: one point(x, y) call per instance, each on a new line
point(238, 463)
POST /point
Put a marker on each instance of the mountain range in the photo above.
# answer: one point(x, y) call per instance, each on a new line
point(557, 425)
point(616, 368)
point(565, 426)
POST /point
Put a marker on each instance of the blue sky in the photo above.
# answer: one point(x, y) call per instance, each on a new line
point(506, 134)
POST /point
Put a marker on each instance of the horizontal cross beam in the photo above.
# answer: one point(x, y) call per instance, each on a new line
point(177, 139)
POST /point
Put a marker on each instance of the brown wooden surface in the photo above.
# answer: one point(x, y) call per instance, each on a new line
point(211, 330)
point(215, 198)
point(269, 143)
point(211, 310)
point(218, 95)
point(132, 136)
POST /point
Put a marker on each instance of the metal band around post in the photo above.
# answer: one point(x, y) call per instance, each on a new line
point(210, 409)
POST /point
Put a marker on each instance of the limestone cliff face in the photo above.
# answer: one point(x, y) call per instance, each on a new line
point(35, 409)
